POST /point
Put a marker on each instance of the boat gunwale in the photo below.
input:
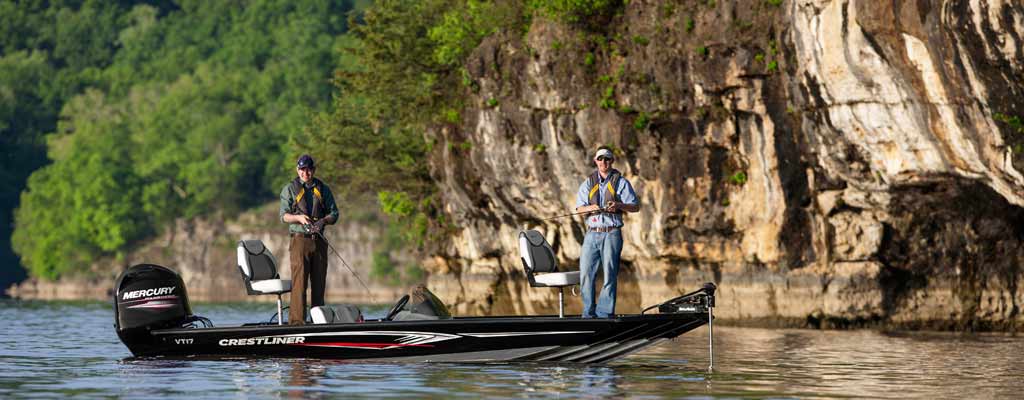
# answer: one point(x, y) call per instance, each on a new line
point(487, 321)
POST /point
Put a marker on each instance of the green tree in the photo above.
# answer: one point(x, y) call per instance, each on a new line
point(168, 110)
point(373, 138)
point(404, 79)
point(72, 210)
point(24, 115)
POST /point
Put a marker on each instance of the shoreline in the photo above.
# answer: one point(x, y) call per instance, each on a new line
point(764, 322)
point(35, 290)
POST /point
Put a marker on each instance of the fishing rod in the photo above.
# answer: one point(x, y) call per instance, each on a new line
point(599, 210)
point(343, 262)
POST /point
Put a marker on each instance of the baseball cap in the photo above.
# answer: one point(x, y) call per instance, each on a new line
point(305, 161)
point(605, 153)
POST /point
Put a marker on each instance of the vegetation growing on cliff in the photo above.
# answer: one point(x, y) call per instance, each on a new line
point(166, 110)
point(373, 138)
point(406, 79)
point(189, 106)
point(585, 12)
point(1017, 127)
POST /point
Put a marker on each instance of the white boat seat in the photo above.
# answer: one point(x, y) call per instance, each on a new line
point(259, 272)
point(541, 267)
point(322, 315)
point(346, 313)
point(556, 279)
point(272, 286)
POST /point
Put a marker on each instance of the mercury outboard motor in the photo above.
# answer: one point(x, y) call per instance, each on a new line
point(148, 297)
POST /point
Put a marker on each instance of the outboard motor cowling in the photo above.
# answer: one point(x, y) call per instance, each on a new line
point(148, 297)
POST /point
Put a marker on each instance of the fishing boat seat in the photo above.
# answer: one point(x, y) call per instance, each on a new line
point(541, 266)
point(344, 314)
point(259, 271)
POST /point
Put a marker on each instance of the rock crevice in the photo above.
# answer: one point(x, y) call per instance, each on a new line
point(826, 162)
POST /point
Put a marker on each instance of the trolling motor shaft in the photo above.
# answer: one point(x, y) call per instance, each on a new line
point(700, 300)
point(709, 290)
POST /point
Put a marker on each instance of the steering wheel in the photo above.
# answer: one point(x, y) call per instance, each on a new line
point(398, 307)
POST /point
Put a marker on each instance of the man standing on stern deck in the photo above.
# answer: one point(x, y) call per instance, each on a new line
point(606, 195)
point(307, 205)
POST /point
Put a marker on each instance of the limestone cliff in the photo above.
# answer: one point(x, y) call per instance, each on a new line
point(203, 252)
point(823, 161)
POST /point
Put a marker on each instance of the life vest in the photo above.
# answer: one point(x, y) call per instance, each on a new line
point(607, 192)
point(317, 209)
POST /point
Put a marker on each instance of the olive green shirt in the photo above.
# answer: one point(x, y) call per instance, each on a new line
point(288, 205)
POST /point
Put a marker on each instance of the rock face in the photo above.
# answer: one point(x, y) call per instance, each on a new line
point(204, 253)
point(824, 161)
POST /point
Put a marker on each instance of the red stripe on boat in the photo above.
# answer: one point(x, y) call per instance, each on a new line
point(361, 345)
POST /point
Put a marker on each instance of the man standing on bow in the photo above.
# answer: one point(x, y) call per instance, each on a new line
point(605, 195)
point(307, 205)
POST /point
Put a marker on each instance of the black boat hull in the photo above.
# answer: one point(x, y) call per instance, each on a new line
point(485, 339)
point(153, 318)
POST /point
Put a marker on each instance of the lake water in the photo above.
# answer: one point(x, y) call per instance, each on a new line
point(57, 349)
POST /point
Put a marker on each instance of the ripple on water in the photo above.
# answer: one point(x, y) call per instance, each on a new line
point(57, 349)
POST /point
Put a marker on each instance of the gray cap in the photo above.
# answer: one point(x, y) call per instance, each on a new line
point(605, 153)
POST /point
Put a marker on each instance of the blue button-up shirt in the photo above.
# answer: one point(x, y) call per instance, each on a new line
point(604, 220)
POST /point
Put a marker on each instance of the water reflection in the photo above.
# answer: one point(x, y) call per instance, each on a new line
point(856, 363)
point(60, 349)
point(600, 382)
point(301, 377)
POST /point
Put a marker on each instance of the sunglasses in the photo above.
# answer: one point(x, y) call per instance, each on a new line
point(603, 158)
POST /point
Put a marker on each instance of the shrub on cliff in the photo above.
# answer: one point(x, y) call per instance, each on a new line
point(586, 12)
point(463, 27)
point(405, 80)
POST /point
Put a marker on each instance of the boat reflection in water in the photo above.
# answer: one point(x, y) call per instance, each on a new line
point(62, 349)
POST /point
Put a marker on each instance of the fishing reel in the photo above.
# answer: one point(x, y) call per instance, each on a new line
point(315, 228)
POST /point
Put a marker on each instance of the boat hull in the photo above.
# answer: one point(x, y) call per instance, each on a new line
point(483, 339)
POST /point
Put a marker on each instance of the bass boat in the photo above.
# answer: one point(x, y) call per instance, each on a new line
point(153, 318)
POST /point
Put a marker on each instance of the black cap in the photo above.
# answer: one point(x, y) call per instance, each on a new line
point(305, 161)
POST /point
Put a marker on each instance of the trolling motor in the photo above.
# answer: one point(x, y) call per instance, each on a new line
point(699, 301)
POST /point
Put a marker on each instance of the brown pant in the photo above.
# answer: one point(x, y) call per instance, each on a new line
point(309, 263)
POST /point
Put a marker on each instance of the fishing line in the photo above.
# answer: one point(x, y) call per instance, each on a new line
point(329, 245)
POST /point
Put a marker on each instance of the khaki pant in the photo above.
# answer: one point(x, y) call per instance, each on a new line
point(309, 264)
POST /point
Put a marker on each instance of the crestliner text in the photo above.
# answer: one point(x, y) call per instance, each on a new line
point(265, 340)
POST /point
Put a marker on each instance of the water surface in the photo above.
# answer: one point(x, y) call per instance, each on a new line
point(55, 349)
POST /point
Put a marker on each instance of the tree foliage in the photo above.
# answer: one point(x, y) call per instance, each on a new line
point(585, 12)
point(197, 107)
point(167, 110)
point(462, 28)
point(373, 138)
point(405, 81)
